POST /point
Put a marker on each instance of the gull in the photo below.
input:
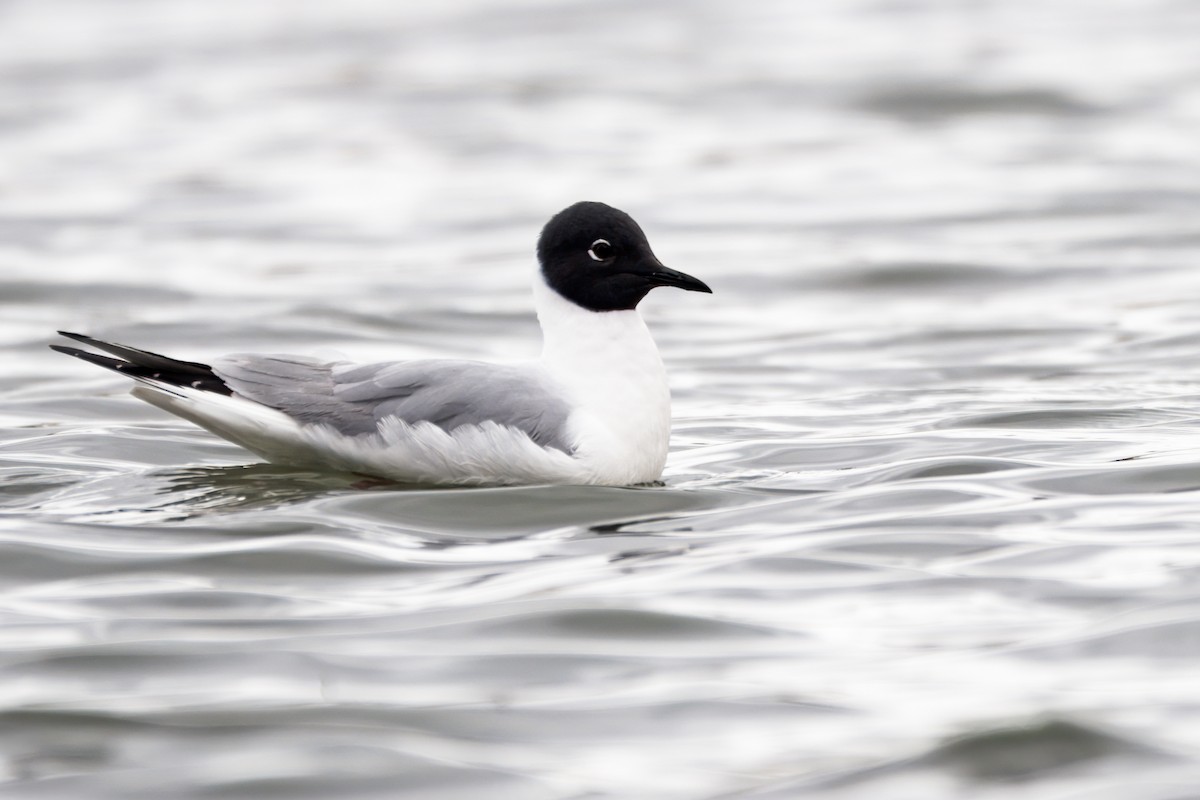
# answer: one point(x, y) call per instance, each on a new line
point(593, 409)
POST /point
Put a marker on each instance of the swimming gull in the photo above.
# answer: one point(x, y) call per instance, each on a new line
point(594, 409)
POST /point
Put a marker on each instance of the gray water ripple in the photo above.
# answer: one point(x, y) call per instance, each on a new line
point(998, 761)
point(928, 524)
point(931, 102)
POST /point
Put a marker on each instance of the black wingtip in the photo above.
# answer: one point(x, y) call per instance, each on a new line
point(145, 366)
point(115, 364)
point(79, 337)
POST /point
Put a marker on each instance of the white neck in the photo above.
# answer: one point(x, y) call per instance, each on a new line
point(609, 366)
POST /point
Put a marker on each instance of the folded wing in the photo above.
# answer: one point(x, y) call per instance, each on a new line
point(354, 399)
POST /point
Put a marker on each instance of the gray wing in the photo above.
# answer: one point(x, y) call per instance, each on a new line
point(353, 399)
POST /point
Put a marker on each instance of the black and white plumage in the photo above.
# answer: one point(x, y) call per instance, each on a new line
point(593, 409)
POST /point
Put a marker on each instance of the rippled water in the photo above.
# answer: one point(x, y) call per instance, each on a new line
point(930, 524)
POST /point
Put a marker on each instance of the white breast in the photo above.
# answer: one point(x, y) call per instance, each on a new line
point(610, 368)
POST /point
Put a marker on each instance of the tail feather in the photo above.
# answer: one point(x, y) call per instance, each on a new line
point(146, 366)
point(194, 392)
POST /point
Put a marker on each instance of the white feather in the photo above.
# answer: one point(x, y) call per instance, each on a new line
point(609, 366)
point(606, 364)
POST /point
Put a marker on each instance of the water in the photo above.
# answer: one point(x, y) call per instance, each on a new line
point(929, 528)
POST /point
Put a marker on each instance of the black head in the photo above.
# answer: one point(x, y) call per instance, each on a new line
point(598, 258)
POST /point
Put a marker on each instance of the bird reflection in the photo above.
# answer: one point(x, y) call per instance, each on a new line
point(195, 491)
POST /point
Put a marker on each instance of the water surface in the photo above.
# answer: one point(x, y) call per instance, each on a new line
point(929, 528)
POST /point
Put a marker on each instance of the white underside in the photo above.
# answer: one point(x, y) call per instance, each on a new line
point(487, 454)
point(606, 364)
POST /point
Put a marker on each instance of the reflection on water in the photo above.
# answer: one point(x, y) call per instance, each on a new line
point(929, 525)
point(176, 495)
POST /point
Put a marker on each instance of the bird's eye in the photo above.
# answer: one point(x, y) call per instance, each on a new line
point(601, 250)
